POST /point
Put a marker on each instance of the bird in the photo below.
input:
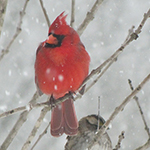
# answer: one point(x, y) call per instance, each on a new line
point(61, 66)
point(88, 126)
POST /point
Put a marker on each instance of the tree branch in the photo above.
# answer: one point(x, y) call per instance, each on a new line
point(18, 125)
point(119, 109)
point(145, 146)
point(40, 136)
point(3, 4)
point(140, 109)
point(89, 17)
point(18, 30)
point(72, 13)
point(121, 137)
point(35, 128)
point(45, 13)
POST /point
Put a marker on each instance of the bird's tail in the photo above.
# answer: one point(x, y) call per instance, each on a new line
point(63, 119)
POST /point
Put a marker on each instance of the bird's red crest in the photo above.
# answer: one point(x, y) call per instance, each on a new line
point(59, 25)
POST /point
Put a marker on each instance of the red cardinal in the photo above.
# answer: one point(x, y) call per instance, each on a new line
point(61, 65)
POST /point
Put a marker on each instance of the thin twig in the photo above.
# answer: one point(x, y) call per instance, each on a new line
point(40, 136)
point(35, 128)
point(119, 109)
point(18, 30)
point(99, 103)
point(22, 118)
point(140, 109)
point(3, 4)
point(45, 13)
point(13, 111)
point(89, 17)
point(121, 137)
point(72, 13)
point(145, 146)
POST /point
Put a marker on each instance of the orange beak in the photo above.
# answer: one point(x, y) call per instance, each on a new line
point(52, 40)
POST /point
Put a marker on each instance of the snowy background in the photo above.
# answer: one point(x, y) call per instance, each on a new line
point(103, 36)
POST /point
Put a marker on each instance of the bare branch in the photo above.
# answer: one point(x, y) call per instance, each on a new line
point(18, 30)
point(72, 13)
point(121, 137)
point(130, 37)
point(3, 4)
point(140, 109)
point(145, 146)
point(146, 16)
point(35, 128)
point(119, 109)
point(13, 111)
point(40, 136)
point(18, 125)
point(45, 13)
point(89, 16)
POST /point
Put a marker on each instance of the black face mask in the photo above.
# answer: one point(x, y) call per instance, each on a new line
point(59, 38)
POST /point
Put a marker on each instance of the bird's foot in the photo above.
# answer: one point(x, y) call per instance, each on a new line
point(52, 101)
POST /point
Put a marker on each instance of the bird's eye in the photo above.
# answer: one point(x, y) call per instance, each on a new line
point(49, 34)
